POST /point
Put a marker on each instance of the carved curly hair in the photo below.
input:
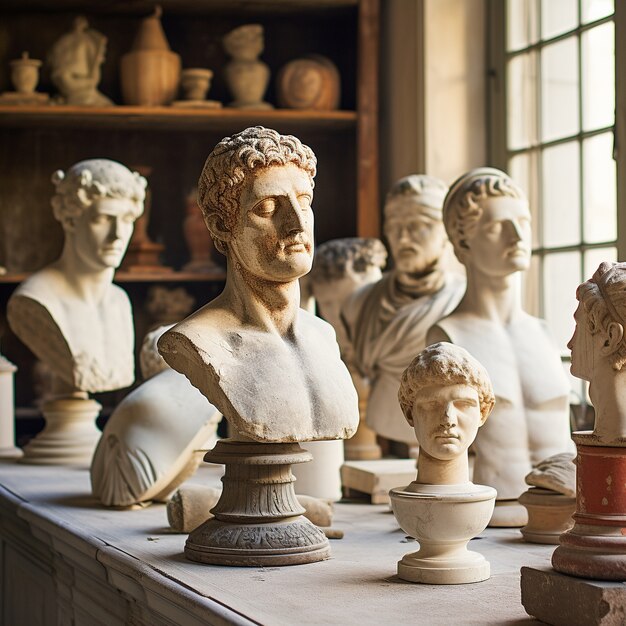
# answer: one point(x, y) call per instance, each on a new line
point(233, 158)
point(445, 364)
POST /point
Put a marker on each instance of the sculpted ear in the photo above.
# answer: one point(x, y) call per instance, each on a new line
point(217, 228)
point(613, 339)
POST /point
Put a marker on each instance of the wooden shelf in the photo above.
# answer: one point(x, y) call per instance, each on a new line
point(138, 277)
point(171, 118)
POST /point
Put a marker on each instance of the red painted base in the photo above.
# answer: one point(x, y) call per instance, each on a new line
point(596, 546)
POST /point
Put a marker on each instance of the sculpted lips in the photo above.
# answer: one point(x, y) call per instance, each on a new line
point(299, 244)
point(517, 251)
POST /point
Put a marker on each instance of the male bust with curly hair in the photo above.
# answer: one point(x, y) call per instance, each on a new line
point(69, 313)
point(271, 368)
point(487, 219)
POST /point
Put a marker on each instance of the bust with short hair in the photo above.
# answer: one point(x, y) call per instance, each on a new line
point(487, 219)
point(387, 321)
point(69, 313)
point(446, 396)
point(270, 367)
point(599, 349)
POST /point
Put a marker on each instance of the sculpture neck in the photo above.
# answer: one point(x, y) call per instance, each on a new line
point(90, 283)
point(496, 298)
point(268, 305)
point(432, 471)
point(607, 391)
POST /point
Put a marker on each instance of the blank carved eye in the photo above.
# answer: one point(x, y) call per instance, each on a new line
point(265, 208)
point(305, 200)
point(494, 228)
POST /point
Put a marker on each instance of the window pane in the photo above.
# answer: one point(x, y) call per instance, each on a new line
point(599, 189)
point(522, 23)
point(561, 195)
point(596, 9)
point(598, 61)
point(522, 101)
point(559, 90)
point(523, 170)
point(558, 16)
point(593, 258)
point(561, 278)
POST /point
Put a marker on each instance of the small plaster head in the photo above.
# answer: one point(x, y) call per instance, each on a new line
point(446, 395)
point(413, 225)
point(600, 321)
point(487, 220)
point(255, 193)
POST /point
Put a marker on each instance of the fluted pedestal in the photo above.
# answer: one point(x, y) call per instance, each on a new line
point(8, 450)
point(258, 520)
point(596, 546)
point(69, 436)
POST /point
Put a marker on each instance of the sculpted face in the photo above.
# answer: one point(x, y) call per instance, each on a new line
point(102, 232)
point(415, 237)
point(583, 345)
point(446, 419)
point(501, 243)
point(273, 237)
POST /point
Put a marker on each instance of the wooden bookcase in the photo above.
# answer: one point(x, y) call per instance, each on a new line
point(35, 141)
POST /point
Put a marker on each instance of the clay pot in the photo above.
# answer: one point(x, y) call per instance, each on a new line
point(25, 74)
point(150, 72)
point(309, 83)
point(198, 239)
point(195, 83)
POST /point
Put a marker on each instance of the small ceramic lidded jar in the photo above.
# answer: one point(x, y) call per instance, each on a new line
point(150, 72)
point(246, 75)
point(195, 83)
point(25, 74)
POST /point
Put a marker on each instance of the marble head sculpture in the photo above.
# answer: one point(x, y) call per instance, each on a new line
point(341, 267)
point(599, 347)
point(272, 369)
point(487, 219)
point(387, 321)
point(69, 313)
point(446, 396)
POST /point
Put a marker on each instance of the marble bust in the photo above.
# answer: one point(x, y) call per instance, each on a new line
point(387, 321)
point(69, 313)
point(487, 218)
point(75, 60)
point(599, 349)
point(446, 396)
point(272, 369)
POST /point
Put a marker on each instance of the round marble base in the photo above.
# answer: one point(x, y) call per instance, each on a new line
point(258, 519)
point(292, 542)
point(508, 514)
point(470, 568)
point(11, 452)
point(549, 515)
point(69, 436)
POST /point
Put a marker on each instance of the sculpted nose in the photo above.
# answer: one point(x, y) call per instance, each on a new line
point(450, 414)
point(114, 228)
point(296, 218)
point(515, 231)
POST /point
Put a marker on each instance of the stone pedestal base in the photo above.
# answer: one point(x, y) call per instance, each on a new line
point(468, 568)
point(258, 520)
point(563, 600)
point(596, 546)
point(549, 515)
point(443, 518)
point(508, 514)
point(11, 452)
point(69, 436)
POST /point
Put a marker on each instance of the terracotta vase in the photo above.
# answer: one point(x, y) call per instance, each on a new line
point(150, 72)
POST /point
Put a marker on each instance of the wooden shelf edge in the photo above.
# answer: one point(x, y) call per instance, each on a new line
point(139, 277)
point(167, 117)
